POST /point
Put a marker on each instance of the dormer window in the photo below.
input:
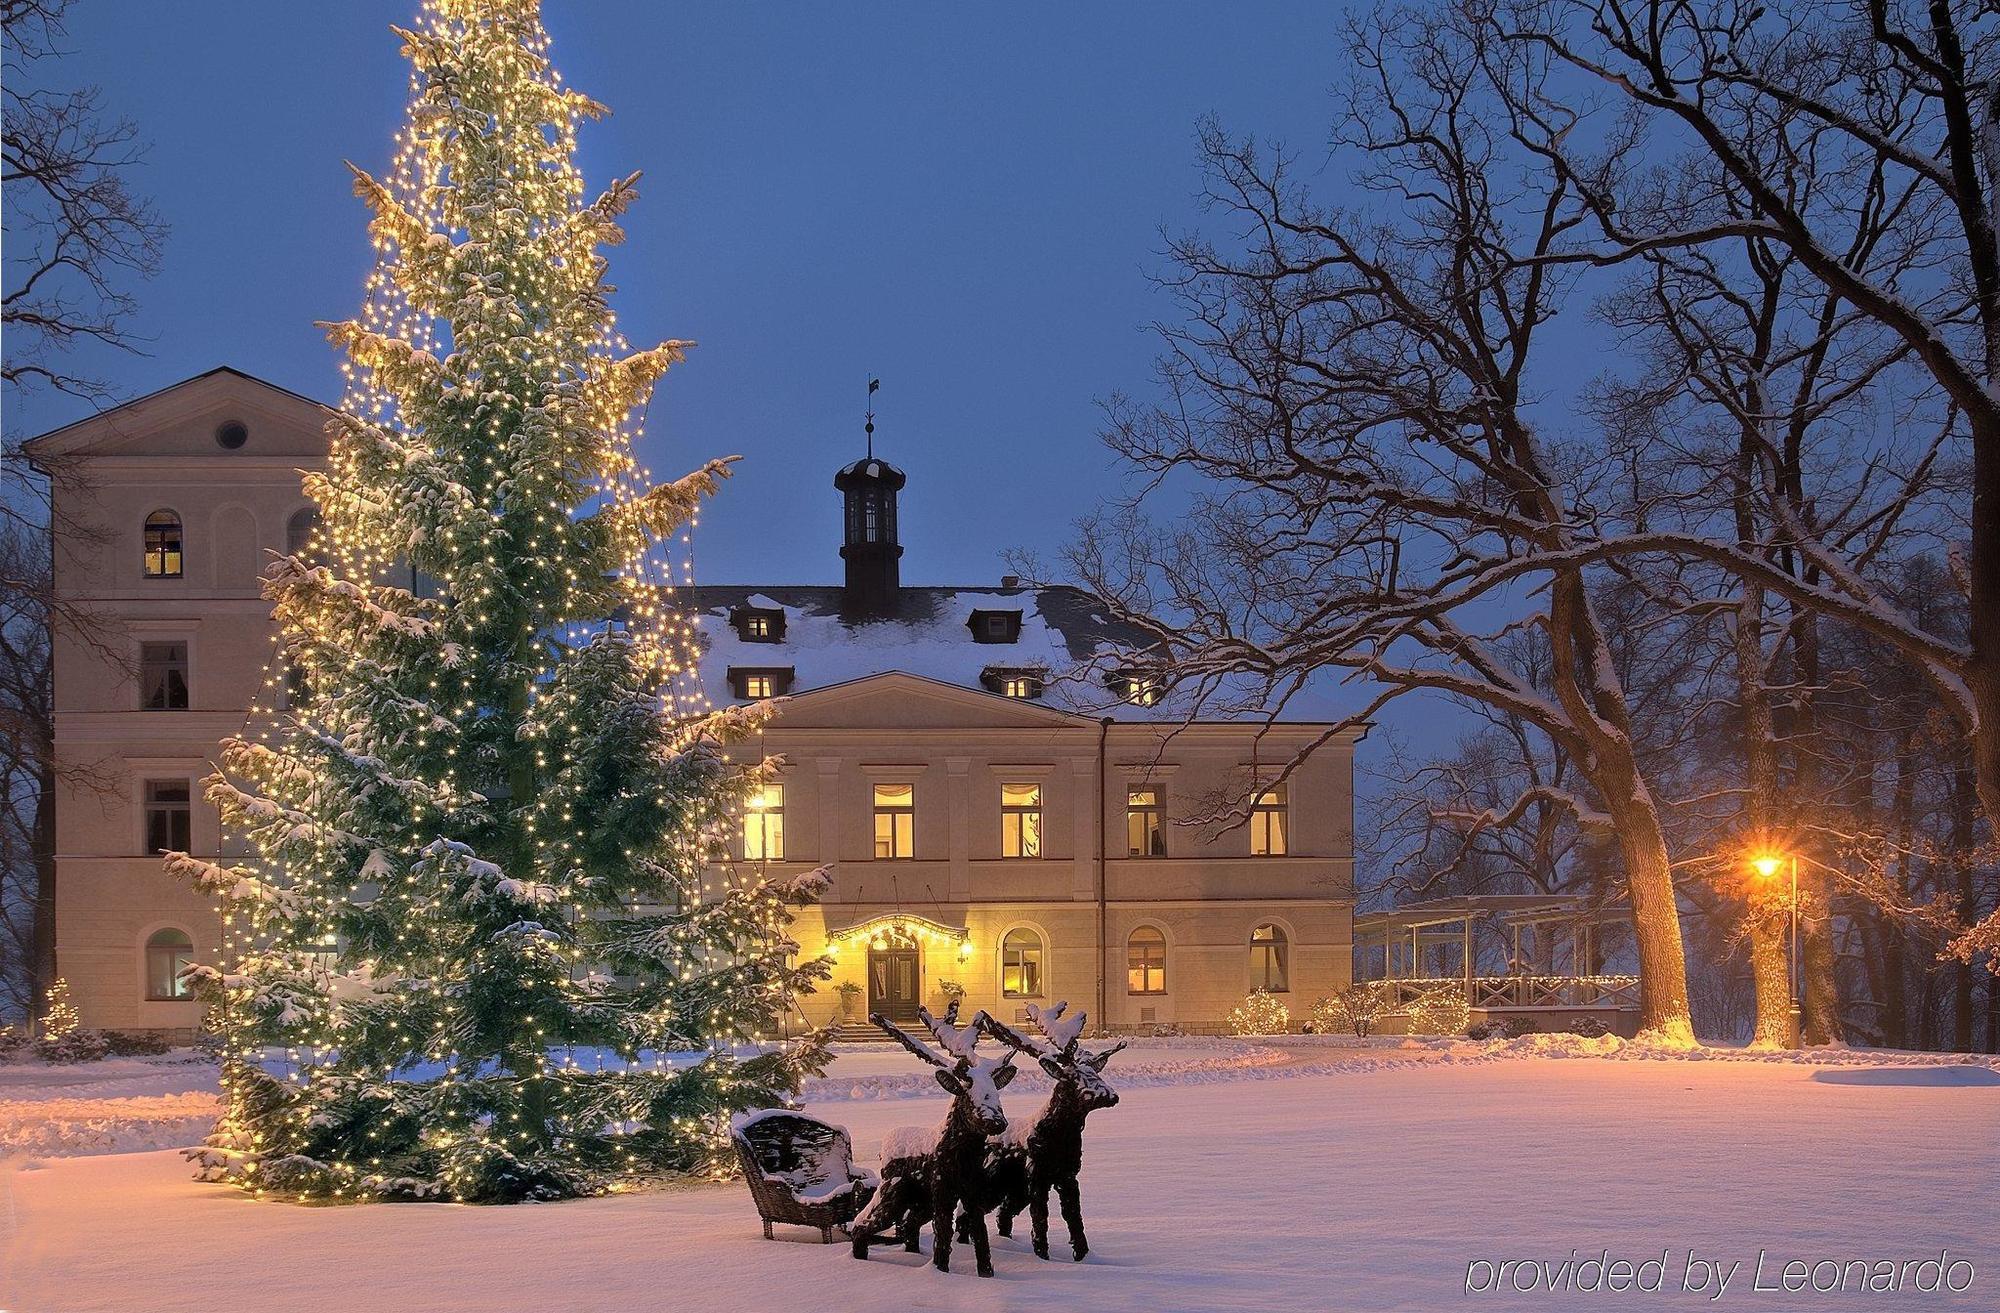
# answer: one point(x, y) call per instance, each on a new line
point(1136, 687)
point(755, 683)
point(759, 624)
point(995, 626)
point(1012, 681)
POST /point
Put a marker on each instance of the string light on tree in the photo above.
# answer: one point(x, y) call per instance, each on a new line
point(59, 1016)
point(480, 960)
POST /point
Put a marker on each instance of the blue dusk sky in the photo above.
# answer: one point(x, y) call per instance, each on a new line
point(966, 204)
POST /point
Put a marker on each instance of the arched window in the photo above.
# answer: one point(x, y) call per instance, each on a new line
point(1146, 962)
point(299, 531)
point(168, 953)
point(1021, 964)
point(163, 545)
point(1268, 953)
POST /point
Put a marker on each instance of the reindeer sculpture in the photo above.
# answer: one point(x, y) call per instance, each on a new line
point(933, 1176)
point(1045, 1152)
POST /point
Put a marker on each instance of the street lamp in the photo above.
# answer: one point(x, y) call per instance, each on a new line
point(1767, 867)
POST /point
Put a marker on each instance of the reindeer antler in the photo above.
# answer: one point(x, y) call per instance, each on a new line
point(953, 1038)
point(1007, 1035)
point(1062, 1033)
point(909, 1041)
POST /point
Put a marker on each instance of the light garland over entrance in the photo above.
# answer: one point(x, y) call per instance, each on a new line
point(902, 927)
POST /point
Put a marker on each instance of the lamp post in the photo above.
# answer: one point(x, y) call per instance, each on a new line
point(1768, 867)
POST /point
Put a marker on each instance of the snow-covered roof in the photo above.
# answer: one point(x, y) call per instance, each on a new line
point(931, 635)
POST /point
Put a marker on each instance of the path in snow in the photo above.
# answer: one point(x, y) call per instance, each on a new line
point(1367, 1187)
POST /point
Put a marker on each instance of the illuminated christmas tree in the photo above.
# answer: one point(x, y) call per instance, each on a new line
point(489, 957)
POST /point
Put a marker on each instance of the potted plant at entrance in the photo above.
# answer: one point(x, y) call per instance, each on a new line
point(954, 993)
point(849, 992)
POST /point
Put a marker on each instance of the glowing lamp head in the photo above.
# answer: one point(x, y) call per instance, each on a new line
point(1766, 867)
point(965, 950)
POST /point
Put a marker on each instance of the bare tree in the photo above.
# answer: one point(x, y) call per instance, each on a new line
point(27, 774)
point(76, 235)
point(76, 238)
point(1357, 396)
point(1891, 109)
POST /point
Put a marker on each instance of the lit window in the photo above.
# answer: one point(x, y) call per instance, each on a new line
point(299, 531)
point(764, 825)
point(1143, 835)
point(757, 626)
point(168, 954)
point(895, 820)
point(1146, 962)
point(1021, 686)
point(1267, 823)
point(169, 816)
point(1021, 964)
point(1267, 959)
point(325, 953)
point(752, 683)
point(1020, 820)
point(163, 545)
point(1137, 689)
point(163, 676)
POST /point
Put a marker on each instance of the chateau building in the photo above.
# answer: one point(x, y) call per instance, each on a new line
point(1000, 817)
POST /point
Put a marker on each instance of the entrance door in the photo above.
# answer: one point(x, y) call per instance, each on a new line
point(892, 983)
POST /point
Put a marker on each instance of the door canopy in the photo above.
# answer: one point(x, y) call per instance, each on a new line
point(902, 930)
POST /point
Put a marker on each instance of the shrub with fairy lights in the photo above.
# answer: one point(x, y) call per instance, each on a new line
point(1260, 1013)
point(487, 957)
point(1439, 1010)
point(1355, 1009)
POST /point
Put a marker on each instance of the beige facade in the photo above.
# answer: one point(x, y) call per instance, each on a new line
point(1058, 924)
point(958, 747)
point(160, 455)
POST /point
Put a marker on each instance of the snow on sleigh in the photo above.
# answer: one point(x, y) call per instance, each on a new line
point(800, 1170)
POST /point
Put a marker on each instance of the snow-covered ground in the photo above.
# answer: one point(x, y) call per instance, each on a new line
point(1294, 1174)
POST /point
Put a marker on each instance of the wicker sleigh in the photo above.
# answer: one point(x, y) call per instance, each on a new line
point(800, 1170)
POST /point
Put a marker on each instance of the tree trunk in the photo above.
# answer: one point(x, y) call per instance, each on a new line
point(1586, 682)
point(1820, 1021)
point(1770, 973)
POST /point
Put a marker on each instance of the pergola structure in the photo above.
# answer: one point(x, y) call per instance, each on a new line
point(1554, 959)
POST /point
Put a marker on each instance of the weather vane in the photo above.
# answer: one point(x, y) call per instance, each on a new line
point(869, 428)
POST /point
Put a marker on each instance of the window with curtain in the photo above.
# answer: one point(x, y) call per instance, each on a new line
point(163, 676)
point(163, 545)
point(895, 820)
point(169, 816)
point(1020, 820)
point(1021, 964)
point(1267, 823)
point(764, 825)
point(1146, 962)
point(168, 954)
point(1267, 960)
point(1144, 836)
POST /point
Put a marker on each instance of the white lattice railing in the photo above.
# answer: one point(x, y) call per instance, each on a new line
point(1524, 991)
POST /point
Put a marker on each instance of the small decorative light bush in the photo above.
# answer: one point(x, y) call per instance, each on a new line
point(953, 991)
point(1440, 1010)
point(1356, 1008)
point(1260, 1013)
point(59, 1018)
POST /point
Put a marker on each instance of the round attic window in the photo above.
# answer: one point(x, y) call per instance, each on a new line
point(231, 434)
